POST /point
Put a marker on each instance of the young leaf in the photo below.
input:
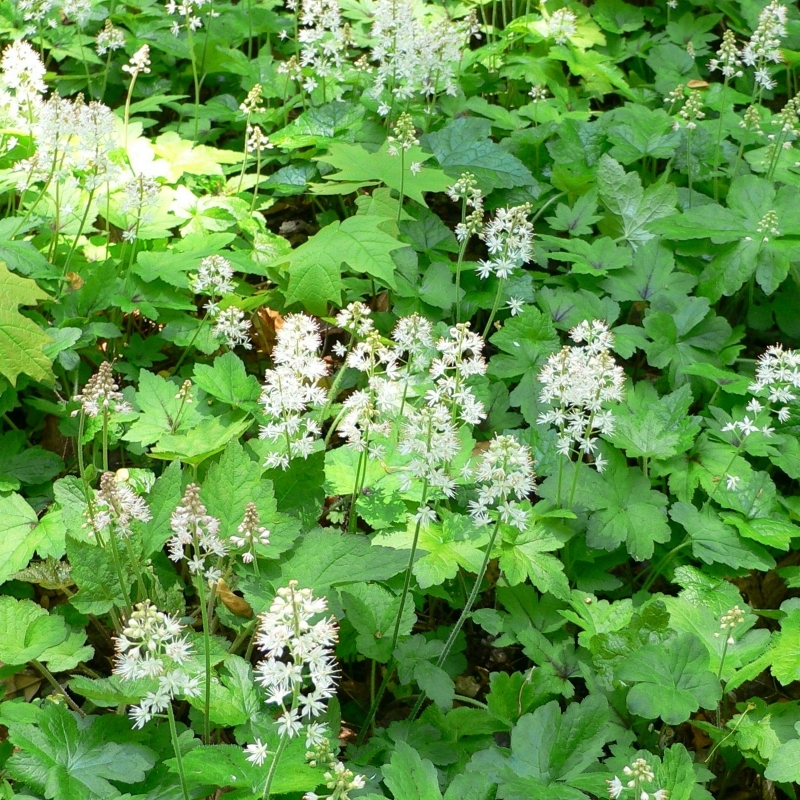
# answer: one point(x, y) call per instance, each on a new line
point(636, 207)
point(372, 611)
point(315, 268)
point(19, 536)
point(463, 145)
point(627, 511)
point(409, 776)
point(21, 340)
point(27, 630)
point(68, 761)
point(228, 381)
point(653, 427)
point(672, 680)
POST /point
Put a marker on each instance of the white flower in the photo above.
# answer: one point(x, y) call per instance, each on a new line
point(231, 325)
point(615, 788)
point(101, 395)
point(578, 382)
point(257, 752)
point(515, 305)
point(192, 526)
point(214, 277)
point(505, 474)
point(109, 39)
point(732, 482)
point(251, 531)
point(561, 25)
point(139, 63)
point(509, 240)
point(291, 389)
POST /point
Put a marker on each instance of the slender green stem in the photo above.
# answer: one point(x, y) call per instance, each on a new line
point(201, 592)
point(719, 139)
point(50, 678)
point(498, 296)
point(173, 732)
point(656, 571)
point(273, 767)
point(465, 613)
point(373, 709)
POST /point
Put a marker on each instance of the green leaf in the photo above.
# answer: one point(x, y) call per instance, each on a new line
point(325, 558)
point(653, 427)
point(589, 258)
point(785, 653)
point(628, 511)
point(688, 333)
point(27, 630)
point(524, 343)
point(221, 766)
point(714, 542)
point(526, 555)
point(415, 656)
point(672, 680)
point(409, 776)
point(595, 616)
point(784, 766)
point(637, 132)
point(159, 409)
point(21, 340)
point(372, 611)
point(358, 166)
point(227, 380)
point(624, 197)
point(463, 145)
point(70, 761)
point(651, 276)
point(94, 572)
point(454, 543)
point(314, 268)
point(552, 747)
point(68, 654)
point(578, 220)
point(19, 536)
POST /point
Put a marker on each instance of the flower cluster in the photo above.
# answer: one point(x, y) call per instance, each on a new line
point(691, 112)
point(101, 395)
point(371, 411)
point(151, 646)
point(404, 135)
point(729, 621)
point(415, 58)
point(323, 38)
point(251, 532)
point(505, 472)
point(191, 525)
point(460, 357)
point(777, 377)
point(430, 437)
point(509, 240)
point(341, 781)
point(23, 74)
point(299, 671)
point(190, 10)
point(109, 39)
point(638, 774)
point(139, 63)
point(764, 44)
point(292, 388)
point(74, 142)
point(231, 325)
point(578, 381)
point(466, 190)
point(116, 505)
point(139, 198)
point(215, 278)
point(561, 25)
point(728, 59)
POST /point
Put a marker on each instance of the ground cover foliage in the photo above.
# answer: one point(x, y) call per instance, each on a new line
point(398, 399)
